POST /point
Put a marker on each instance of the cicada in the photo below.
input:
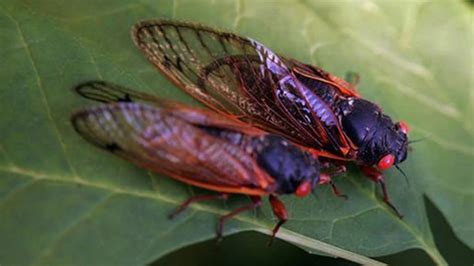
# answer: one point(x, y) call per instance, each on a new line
point(198, 147)
point(238, 76)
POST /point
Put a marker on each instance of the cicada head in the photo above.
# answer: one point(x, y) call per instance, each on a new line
point(295, 171)
point(380, 141)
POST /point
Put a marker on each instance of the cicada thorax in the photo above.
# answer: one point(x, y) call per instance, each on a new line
point(379, 140)
point(295, 171)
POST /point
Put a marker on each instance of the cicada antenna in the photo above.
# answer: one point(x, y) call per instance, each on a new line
point(403, 173)
point(417, 140)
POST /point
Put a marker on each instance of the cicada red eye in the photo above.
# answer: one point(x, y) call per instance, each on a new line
point(404, 127)
point(386, 162)
point(304, 188)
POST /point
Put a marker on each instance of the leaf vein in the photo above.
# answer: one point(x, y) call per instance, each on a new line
point(50, 249)
point(39, 83)
point(17, 191)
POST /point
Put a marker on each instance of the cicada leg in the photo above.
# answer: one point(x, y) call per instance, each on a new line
point(376, 176)
point(197, 198)
point(325, 178)
point(280, 212)
point(256, 203)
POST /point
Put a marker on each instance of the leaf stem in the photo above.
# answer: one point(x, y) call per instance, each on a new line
point(434, 254)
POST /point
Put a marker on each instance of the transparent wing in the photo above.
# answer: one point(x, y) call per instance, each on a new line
point(239, 76)
point(107, 92)
point(156, 139)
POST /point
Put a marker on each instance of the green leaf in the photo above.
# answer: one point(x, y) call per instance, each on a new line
point(63, 201)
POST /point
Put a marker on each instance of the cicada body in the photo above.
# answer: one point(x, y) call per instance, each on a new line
point(239, 76)
point(197, 147)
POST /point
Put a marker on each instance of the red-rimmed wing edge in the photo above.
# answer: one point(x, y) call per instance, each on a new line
point(165, 141)
point(239, 76)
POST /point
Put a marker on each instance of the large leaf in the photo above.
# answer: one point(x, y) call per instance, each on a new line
point(62, 201)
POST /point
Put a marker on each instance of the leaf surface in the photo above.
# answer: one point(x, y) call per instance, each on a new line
point(62, 201)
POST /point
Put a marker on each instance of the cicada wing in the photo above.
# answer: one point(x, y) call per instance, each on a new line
point(237, 75)
point(107, 92)
point(155, 139)
point(204, 63)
